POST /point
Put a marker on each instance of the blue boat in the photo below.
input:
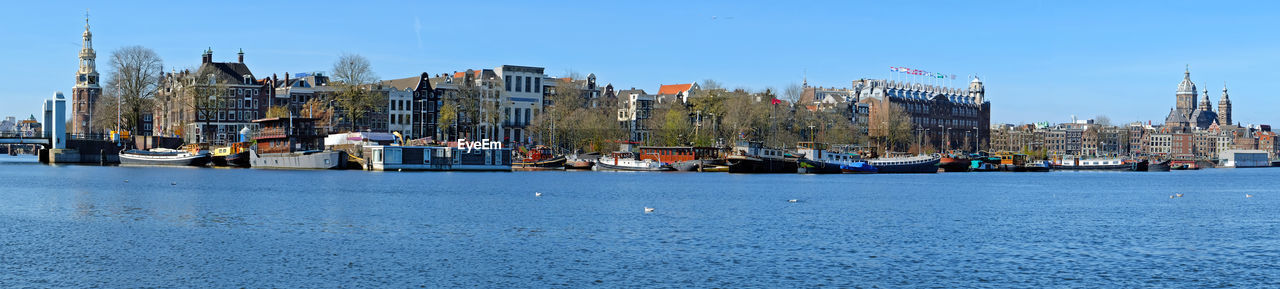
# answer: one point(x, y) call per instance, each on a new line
point(859, 168)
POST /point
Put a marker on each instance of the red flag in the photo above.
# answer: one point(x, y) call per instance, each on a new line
point(776, 101)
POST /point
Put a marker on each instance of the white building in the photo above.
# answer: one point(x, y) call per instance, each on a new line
point(521, 99)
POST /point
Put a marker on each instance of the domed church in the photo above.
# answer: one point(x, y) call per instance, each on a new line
point(1188, 115)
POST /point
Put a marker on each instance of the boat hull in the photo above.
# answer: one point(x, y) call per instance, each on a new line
point(548, 164)
point(1158, 167)
point(920, 167)
point(762, 166)
point(322, 160)
point(1120, 167)
point(128, 159)
point(952, 165)
point(579, 165)
point(601, 166)
point(816, 167)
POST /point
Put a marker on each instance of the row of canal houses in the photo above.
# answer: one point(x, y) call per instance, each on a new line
point(509, 97)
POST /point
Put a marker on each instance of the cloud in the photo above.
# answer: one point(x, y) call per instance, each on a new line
point(417, 29)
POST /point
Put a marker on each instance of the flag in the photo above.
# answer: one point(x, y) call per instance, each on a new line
point(953, 77)
point(776, 101)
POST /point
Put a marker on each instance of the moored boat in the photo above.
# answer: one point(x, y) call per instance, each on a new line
point(754, 157)
point(1077, 164)
point(919, 164)
point(1034, 166)
point(628, 161)
point(163, 157)
point(292, 143)
point(436, 158)
point(816, 159)
point(581, 161)
point(539, 158)
point(236, 154)
point(682, 158)
point(1158, 166)
point(954, 163)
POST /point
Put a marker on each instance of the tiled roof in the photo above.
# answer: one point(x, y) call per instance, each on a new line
point(410, 83)
point(231, 72)
point(674, 88)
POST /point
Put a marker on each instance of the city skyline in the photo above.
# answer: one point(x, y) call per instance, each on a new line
point(1044, 63)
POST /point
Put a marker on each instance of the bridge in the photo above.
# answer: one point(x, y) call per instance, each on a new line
point(19, 138)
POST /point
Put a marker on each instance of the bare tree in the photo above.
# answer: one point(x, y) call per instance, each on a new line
point(793, 93)
point(135, 79)
point(890, 125)
point(354, 79)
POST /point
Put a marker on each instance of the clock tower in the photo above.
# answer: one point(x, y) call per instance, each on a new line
point(86, 92)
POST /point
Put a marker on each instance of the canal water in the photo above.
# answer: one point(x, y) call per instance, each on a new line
point(89, 226)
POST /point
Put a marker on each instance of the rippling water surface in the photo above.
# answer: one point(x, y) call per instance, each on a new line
point(84, 226)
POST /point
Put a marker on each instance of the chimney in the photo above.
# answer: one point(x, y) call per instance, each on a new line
point(286, 78)
point(207, 57)
point(241, 54)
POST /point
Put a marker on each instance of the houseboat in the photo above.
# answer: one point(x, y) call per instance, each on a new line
point(816, 159)
point(163, 157)
point(436, 158)
point(539, 158)
point(753, 157)
point(685, 159)
point(1073, 163)
point(628, 161)
point(292, 143)
point(922, 164)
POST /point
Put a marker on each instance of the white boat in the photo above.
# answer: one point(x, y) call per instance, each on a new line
point(925, 164)
point(627, 161)
point(1079, 164)
point(163, 157)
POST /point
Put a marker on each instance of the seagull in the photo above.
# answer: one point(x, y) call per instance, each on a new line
point(1248, 196)
point(537, 194)
point(173, 184)
point(648, 210)
point(793, 201)
point(1172, 196)
point(126, 181)
point(1179, 195)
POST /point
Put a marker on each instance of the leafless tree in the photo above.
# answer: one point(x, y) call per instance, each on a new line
point(354, 78)
point(135, 79)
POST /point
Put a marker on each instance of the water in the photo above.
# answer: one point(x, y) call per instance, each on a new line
point(85, 226)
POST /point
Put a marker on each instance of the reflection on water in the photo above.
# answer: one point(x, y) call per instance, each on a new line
point(83, 226)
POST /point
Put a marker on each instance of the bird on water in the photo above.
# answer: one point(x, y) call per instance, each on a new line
point(648, 210)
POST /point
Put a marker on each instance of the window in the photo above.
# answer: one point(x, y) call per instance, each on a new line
point(222, 115)
point(517, 83)
point(537, 84)
point(517, 118)
point(527, 87)
point(508, 80)
point(231, 115)
point(526, 116)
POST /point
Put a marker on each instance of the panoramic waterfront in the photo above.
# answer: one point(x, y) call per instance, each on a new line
point(81, 226)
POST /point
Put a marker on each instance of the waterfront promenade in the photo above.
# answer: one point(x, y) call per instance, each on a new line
point(84, 226)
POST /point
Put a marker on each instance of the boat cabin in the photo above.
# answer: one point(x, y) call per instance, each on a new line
point(285, 135)
point(673, 155)
point(756, 149)
point(818, 152)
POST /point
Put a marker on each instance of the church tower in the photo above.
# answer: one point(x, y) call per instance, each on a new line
point(86, 92)
point(1186, 94)
point(1224, 108)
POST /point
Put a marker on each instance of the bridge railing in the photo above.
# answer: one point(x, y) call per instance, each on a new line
point(88, 136)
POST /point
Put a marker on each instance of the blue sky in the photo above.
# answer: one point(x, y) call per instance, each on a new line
point(1041, 60)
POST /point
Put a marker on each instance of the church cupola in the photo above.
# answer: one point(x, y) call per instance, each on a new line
point(1204, 102)
point(1186, 93)
point(207, 57)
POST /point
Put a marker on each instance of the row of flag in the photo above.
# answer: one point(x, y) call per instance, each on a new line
point(921, 72)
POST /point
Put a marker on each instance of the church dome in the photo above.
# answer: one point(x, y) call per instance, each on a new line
point(1186, 86)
